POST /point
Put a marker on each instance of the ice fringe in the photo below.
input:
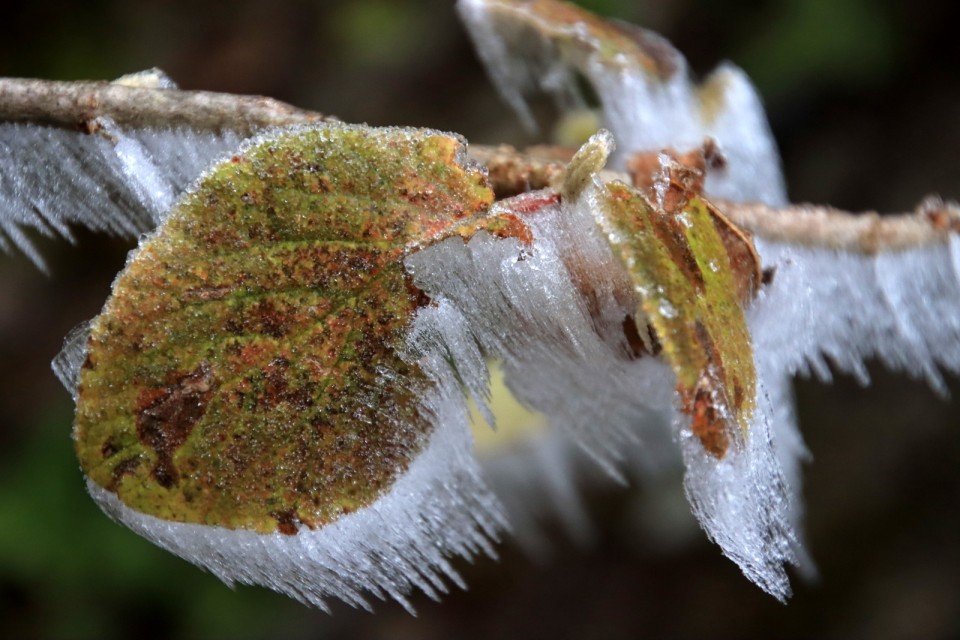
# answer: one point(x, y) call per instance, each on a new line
point(823, 306)
point(750, 502)
point(827, 307)
point(115, 179)
point(439, 508)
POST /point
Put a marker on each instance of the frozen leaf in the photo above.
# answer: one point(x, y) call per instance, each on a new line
point(648, 99)
point(687, 287)
point(560, 314)
point(693, 272)
point(248, 380)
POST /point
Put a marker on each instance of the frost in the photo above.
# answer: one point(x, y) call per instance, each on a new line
point(393, 513)
point(66, 365)
point(553, 313)
point(539, 479)
point(525, 49)
point(524, 306)
point(438, 508)
point(746, 503)
point(841, 308)
point(116, 180)
point(833, 308)
point(543, 479)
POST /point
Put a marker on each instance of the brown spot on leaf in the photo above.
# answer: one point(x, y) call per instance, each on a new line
point(167, 415)
point(125, 467)
point(109, 449)
point(277, 388)
point(417, 296)
point(287, 522)
point(272, 321)
point(707, 422)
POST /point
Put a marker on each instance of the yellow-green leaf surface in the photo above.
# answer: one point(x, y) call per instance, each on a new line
point(688, 293)
point(245, 371)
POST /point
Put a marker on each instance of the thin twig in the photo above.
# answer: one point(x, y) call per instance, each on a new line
point(76, 104)
point(512, 172)
point(807, 224)
point(867, 233)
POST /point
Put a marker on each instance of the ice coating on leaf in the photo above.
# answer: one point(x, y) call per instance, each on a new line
point(556, 314)
point(108, 179)
point(249, 377)
point(735, 456)
point(745, 502)
point(401, 542)
point(273, 296)
point(563, 354)
point(648, 99)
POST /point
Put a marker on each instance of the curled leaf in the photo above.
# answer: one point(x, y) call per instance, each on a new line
point(647, 97)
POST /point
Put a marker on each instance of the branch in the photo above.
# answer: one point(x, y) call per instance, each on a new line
point(76, 104)
point(513, 171)
point(867, 233)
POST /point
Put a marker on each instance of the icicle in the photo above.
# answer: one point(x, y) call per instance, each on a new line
point(114, 180)
point(899, 306)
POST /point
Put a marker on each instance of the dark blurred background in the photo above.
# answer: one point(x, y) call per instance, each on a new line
point(864, 99)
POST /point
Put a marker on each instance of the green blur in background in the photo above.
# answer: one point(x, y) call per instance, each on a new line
point(864, 98)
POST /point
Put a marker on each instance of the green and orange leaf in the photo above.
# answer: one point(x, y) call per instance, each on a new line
point(246, 371)
point(693, 272)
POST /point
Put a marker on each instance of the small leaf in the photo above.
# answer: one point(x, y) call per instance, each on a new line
point(688, 289)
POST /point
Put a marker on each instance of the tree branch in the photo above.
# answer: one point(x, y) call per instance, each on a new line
point(76, 104)
point(814, 225)
point(868, 233)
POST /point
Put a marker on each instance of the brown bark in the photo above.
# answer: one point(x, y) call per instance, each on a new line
point(76, 104)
